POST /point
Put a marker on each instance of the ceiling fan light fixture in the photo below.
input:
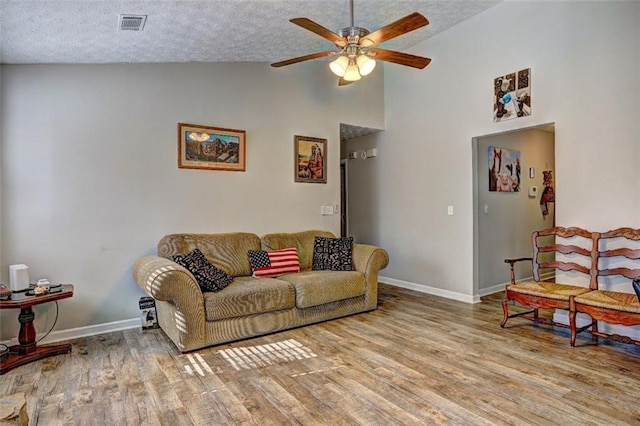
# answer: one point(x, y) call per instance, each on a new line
point(339, 66)
point(365, 64)
point(352, 73)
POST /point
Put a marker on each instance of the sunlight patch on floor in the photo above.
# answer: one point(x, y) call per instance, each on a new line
point(245, 358)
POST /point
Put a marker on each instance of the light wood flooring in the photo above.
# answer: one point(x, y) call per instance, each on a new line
point(416, 360)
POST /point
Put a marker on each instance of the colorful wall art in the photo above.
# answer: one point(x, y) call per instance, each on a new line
point(504, 170)
point(512, 95)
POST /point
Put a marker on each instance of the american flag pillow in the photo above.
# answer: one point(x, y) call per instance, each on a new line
point(273, 263)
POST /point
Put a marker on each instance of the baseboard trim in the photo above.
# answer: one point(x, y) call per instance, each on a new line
point(500, 287)
point(90, 330)
point(491, 290)
point(430, 290)
point(562, 316)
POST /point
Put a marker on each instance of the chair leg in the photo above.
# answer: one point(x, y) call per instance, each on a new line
point(535, 316)
point(505, 310)
point(572, 325)
point(572, 320)
point(594, 331)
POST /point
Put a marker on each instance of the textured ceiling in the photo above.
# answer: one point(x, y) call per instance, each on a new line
point(86, 31)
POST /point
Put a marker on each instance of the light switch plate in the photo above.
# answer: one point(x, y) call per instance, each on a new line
point(326, 210)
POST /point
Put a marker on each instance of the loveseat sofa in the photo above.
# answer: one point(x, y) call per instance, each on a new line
point(250, 306)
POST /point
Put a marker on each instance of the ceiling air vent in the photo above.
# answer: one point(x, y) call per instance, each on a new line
point(131, 22)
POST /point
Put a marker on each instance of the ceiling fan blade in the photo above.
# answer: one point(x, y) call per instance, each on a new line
point(343, 82)
point(395, 29)
point(314, 27)
point(399, 58)
point(303, 58)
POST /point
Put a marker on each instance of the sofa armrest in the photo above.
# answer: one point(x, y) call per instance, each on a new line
point(166, 281)
point(370, 260)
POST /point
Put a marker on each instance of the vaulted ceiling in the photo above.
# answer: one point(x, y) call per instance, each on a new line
point(86, 31)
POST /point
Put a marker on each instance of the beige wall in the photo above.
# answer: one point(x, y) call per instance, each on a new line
point(585, 65)
point(90, 176)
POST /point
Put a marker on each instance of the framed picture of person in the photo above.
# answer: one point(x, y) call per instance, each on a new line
point(310, 163)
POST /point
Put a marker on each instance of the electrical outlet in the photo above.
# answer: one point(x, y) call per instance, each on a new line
point(450, 210)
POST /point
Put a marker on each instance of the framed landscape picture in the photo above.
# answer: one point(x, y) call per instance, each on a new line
point(309, 159)
point(211, 148)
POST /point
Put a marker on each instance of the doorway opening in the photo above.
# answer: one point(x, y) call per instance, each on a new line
point(511, 175)
point(343, 198)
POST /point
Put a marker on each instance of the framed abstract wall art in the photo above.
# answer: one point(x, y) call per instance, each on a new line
point(512, 95)
point(211, 148)
point(310, 159)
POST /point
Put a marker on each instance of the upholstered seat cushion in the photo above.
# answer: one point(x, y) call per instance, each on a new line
point(624, 302)
point(249, 296)
point(315, 288)
point(547, 289)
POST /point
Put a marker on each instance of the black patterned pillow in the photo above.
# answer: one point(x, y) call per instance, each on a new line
point(209, 277)
point(636, 287)
point(333, 254)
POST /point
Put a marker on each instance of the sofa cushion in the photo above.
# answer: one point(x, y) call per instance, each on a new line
point(333, 254)
point(315, 288)
point(272, 263)
point(303, 241)
point(249, 296)
point(226, 251)
point(209, 277)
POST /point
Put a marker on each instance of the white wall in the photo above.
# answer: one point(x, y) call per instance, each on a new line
point(90, 176)
point(1, 144)
point(505, 229)
point(585, 65)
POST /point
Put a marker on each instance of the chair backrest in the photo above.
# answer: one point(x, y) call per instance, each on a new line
point(619, 253)
point(572, 249)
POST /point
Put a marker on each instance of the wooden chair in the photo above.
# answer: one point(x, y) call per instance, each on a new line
point(576, 252)
point(619, 256)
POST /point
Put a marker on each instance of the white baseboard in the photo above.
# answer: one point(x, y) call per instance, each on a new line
point(491, 290)
point(562, 316)
point(500, 287)
point(430, 290)
point(90, 330)
point(452, 294)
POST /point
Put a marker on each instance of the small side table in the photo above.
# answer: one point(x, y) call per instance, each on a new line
point(27, 350)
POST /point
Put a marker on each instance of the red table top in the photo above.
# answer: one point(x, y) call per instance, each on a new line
point(21, 300)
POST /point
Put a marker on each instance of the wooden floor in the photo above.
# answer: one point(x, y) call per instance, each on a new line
point(417, 360)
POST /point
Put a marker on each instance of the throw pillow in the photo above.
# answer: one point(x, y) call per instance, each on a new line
point(333, 254)
point(274, 263)
point(209, 277)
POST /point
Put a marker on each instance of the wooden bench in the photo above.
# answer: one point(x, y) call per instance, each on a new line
point(557, 248)
point(619, 256)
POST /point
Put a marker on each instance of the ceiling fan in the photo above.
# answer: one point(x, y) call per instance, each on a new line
point(358, 50)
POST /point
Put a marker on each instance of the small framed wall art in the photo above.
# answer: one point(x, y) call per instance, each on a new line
point(512, 95)
point(211, 148)
point(309, 155)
